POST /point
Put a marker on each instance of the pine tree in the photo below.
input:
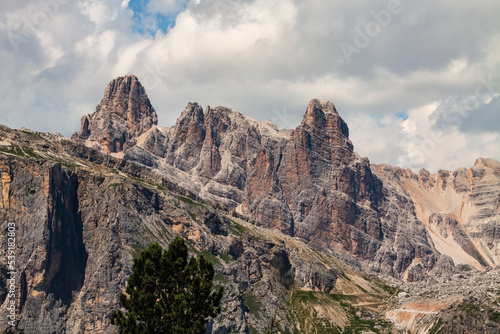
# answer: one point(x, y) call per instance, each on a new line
point(166, 293)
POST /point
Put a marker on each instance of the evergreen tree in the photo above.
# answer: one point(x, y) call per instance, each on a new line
point(166, 293)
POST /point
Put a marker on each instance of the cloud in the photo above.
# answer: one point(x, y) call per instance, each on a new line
point(267, 59)
point(99, 12)
point(483, 119)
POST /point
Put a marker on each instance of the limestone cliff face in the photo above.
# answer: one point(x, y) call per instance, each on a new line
point(124, 114)
point(459, 209)
point(328, 187)
point(43, 203)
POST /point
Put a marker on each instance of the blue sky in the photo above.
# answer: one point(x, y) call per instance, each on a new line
point(143, 16)
point(418, 83)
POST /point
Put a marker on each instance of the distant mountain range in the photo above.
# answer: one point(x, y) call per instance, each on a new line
point(298, 225)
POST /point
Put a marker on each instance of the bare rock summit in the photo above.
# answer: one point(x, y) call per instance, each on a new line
point(124, 114)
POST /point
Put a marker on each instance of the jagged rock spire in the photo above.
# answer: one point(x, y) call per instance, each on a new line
point(124, 114)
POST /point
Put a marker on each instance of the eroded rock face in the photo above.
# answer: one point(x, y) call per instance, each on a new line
point(325, 182)
point(459, 209)
point(123, 115)
point(44, 205)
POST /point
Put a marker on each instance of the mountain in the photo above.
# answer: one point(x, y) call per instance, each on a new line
point(124, 113)
point(81, 216)
point(297, 224)
point(307, 182)
point(459, 209)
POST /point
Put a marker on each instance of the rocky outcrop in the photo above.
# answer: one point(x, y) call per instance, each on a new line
point(466, 302)
point(50, 247)
point(459, 209)
point(327, 186)
point(123, 115)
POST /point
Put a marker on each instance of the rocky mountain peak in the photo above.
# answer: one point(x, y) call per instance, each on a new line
point(224, 114)
point(192, 112)
point(126, 97)
point(307, 183)
point(323, 124)
point(125, 113)
point(324, 105)
point(486, 162)
point(321, 115)
point(190, 125)
point(191, 119)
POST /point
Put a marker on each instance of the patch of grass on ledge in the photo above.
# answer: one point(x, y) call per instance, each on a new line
point(29, 152)
point(384, 286)
point(210, 257)
point(253, 303)
point(226, 258)
point(136, 250)
point(34, 134)
point(252, 330)
point(155, 186)
point(472, 309)
point(495, 317)
point(236, 229)
point(220, 278)
point(65, 163)
point(437, 327)
point(26, 152)
point(14, 149)
point(190, 201)
point(136, 179)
